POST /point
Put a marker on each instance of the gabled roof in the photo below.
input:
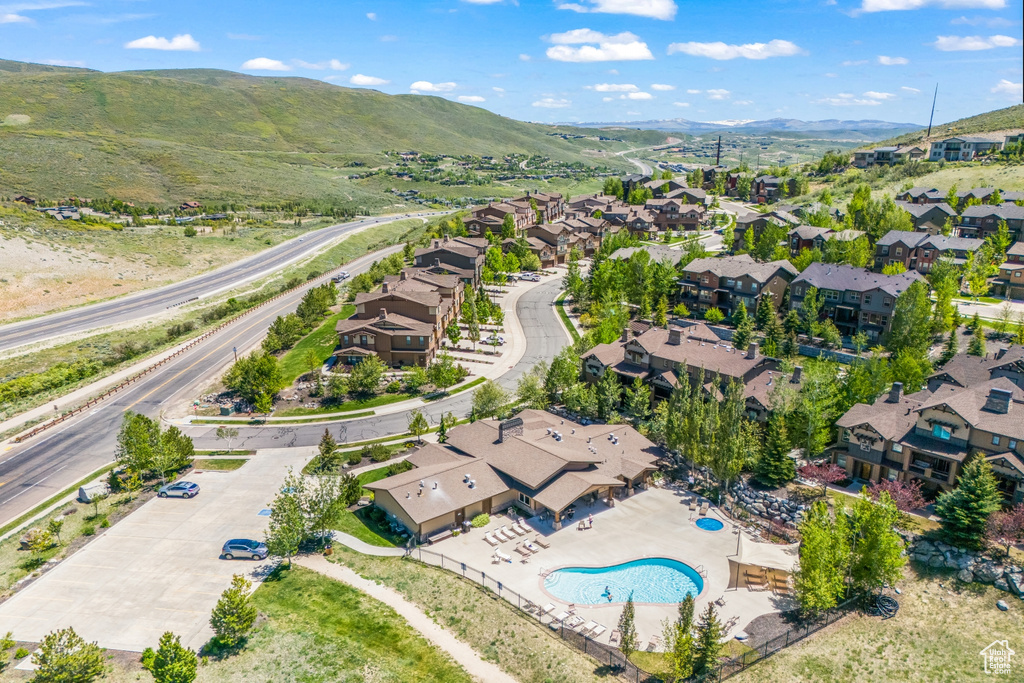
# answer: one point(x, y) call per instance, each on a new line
point(969, 404)
point(389, 324)
point(656, 253)
point(1003, 211)
point(966, 371)
point(943, 243)
point(850, 279)
point(921, 192)
point(738, 266)
point(911, 239)
point(890, 420)
point(429, 297)
point(809, 232)
point(919, 210)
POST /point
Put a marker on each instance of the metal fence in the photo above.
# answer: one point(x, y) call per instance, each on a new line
point(605, 655)
point(611, 657)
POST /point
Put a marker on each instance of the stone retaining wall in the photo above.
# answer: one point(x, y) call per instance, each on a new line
point(761, 504)
point(971, 565)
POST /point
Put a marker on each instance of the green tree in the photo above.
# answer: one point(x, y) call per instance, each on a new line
point(443, 372)
point(976, 347)
point(137, 442)
point(945, 281)
point(613, 187)
point(175, 452)
point(264, 405)
point(765, 312)
point(489, 399)
point(877, 557)
point(628, 641)
point(366, 375)
point(609, 391)
point(965, 510)
point(228, 434)
point(638, 400)
point(287, 528)
point(327, 459)
point(952, 199)
point(508, 227)
point(255, 374)
point(824, 559)
point(418, 424)
point(65, 657)
point(911, 368)
point(817, 406)
point(714, 315)
point(174, 663)
point(678, 641)
point(707, 646)
point(563, 372)
point(454, 333)
point(661, 312)
point(950, 348)
point(54, 527)
point(774, 468)
point(530, 392)
point(894, 268)
point(805, 258)
point(234, 615)
point(911, 320)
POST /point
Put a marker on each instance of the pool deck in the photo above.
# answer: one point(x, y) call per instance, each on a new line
point(652, 523)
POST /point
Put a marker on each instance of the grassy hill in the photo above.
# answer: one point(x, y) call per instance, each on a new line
point(1010, 118)
point(168, 136)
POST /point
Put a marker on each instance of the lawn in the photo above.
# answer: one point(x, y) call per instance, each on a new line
point(322, 341)
point(317, 630)
point(560, 306)
point(358, 404)
point(363, 527)
point(941, 627)
point(219, 464)
point(451, 392)
point(492, 627)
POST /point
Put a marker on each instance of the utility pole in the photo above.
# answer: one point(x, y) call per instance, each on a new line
point(932, 117)
point(718, 155)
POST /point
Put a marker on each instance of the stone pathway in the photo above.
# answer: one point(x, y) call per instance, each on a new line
point(365, 548)
point(483, 671)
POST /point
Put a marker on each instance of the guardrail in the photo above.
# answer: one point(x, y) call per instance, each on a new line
point(182, 303)
point(136, 377)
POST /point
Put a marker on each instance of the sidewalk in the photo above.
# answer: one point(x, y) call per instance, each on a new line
point(463, 654)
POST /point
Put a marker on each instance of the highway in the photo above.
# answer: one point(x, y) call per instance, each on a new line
point(153, 301)
point(32, 472)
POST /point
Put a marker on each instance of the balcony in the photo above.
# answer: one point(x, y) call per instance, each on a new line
point(892, 464)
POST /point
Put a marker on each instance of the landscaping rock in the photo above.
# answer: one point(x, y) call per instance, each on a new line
point(965, 576)
point(1002, 605)
point(758, 508)
point(936, 561)
point(1002, 585)
point(951, 562)
point(987, 572)
point(1016, 584)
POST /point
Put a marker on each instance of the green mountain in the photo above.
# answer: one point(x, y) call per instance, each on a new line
point(173, 135)
point(998, 120)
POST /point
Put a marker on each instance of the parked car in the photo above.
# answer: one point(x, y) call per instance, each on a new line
point(242, 548)
point(181, 489)
point(494, 340)
point(531, 277)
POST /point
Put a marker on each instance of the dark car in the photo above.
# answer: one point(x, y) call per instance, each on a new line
point(182, 489)
point(242, 548)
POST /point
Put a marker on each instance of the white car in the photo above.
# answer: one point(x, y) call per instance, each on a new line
point(342, 275)
point(530, 277)
point(494, 340)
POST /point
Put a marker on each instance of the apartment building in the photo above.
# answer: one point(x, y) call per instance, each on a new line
point(726, 282)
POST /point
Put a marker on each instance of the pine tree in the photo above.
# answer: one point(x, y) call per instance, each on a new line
point(739, 316)
point(627, 628)
point(965, 509)
point(706, 647)
point(976, 347)
point(765, 311)
point(234, 616)
point(174, 663)
point(775, 467)
point(678, 637)
point(66, 656)
point(951, 348)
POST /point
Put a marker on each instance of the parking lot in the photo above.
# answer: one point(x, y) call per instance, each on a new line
point(158, 569)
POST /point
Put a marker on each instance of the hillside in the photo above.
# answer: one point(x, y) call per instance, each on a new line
point(168, 136)
point(999, 120)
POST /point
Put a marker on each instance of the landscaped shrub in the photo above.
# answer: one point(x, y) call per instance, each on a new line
point(481, 520)
point(378, 452)
point(21, 653)
point(148, 657)
point(399, 467)
point(105, 524)
point(393, 387)
point(354, 457)
point(88, 530)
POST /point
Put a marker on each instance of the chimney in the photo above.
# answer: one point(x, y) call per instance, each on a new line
point(437, 263)
point(798, 373)
point(674, 337)
point(752, 350)
point(510, 428)
point(437, 243)
point(384, 288)
point(896, 393)
point(998, 401)
point(403, 275)
point(383, 313)
point(625, 335)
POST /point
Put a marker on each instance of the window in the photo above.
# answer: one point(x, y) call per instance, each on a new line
point(995, 440)
point(1016, 273)
point(887, 302)
point(897, 448)
point(525, 499)
point(867, 299)
point(362, 339)
point(899, 251)
point(846, 435)
point(730, 283)
point(940, 467)
point(831, 295)
point(854, 296)
point(344, 340)
point(799, 291)
point(408, 340)
point(865, 446)
point(753, 286)
point(893, 475)
point(841, 460)
point(941, 432)
point(927, 253)
point(1012, 445)
point(423, 341)
point(885, 251)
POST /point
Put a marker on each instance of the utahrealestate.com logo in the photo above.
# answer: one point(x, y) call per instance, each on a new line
point(997, 657)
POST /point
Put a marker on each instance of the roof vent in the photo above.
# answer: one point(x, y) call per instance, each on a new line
point(435, 485)
point(472, 484)
point(408, 495)
point(465, 479)
point(422, 484)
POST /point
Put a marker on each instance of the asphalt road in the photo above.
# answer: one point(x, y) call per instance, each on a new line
point(151, 302)
point(44, 465)
point(545, 337)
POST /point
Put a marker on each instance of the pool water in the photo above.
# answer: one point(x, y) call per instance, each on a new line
point(709, 524)
point(656, 579)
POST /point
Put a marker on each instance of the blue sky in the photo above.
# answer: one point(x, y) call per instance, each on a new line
point(588, 60)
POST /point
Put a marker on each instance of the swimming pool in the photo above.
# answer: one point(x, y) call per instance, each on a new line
point(710, 524)
point(655, 579)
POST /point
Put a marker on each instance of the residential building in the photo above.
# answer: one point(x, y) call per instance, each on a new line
point(854, 299)
point(464, 259)
point(757, 222)
point(661, 188)
point(958, 249)
point(1009, 283)
point(726, 282)
point(544, 251)
point(928, 436)
point(930, 217)
point(689, 195)
point(965, 371)
point(964, 148)
point(640, 222)
point(663, 358)
point(557, 236)
point(1015, 254)
point(983, 220)
point(535, 462)
point(674, 214)
point(807, 237)
point(550, 205)
point(492, 216)
point(981, 194)
point(633, 181)
point(886, 156)
point(921, 195)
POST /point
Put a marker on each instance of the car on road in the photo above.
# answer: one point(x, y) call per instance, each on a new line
point(181, 489)
point(341, 276)
point(244, 548)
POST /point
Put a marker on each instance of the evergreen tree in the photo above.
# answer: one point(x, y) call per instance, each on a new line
point(628, 641)
point(739, 316)
point(678, 637)
point(744, 334)
point(765, 311)
point(609, 390)
point(976, 347)
point(174, 663)
point(824, 559)
point(234, 615)
point(951, 347)
point(661, 312)
point(638, 400)
point(65, 657)
point(911, 320)
point(965, 509)
point(775, 467)
point(707, 646)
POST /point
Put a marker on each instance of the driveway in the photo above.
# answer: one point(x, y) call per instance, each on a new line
point(158, 569)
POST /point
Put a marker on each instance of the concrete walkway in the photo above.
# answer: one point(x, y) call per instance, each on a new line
point(365, 548)
point(479, 669)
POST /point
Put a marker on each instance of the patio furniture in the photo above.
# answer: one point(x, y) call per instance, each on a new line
point(693, 503)
point(572, 608)
point(574, 621)
point(522, 551)
point(562, 616)
point(655, 643)
point(502, 556)
point(541, 543)
point(615, 637)
point(522, 524)
point(516, 527)
point(531, 547)
point(597, 631)
point(529, 606)
point(491, 539)
point(704, 508)
point(590, 626)
point(581, 525)
point(503, 535)
point(720, 601)
point(550, 607)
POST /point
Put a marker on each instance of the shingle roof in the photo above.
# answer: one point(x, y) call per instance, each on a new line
point(943, 243)
point(656, 253)
point(425, 298)
point(848, 278)
point(911, 239)
point(391, 324)
point(715, 357)
point(737, 266)
point(919, 210)
point(1003, 211)
point(891, 420)
point(968, 371)
point(969, 404)
point(1017, 248)
point(809, 232)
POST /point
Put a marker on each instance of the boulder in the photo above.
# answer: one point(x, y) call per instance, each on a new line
point(936, 561)
point(758, 508)
point(925, 547)
point(950, 562)
point(1002, 585)
point(965, 576)
point(965, 562)
point(1002, 605)
point(1016, 584)
point(987, 572)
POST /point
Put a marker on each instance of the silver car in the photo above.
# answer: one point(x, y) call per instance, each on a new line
point(181, 489)
point(242, 548)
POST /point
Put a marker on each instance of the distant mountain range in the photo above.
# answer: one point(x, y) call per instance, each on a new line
point(750, 126)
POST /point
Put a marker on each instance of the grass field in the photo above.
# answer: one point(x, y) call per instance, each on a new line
point(219, 464)
point(322, 341)
point(360, 525)
point(492, 627)
point(358, 404)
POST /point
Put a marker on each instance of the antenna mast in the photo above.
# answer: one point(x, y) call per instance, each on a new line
point(932, 117)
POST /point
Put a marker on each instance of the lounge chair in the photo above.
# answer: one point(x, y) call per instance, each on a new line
point(531, 547)
point(509, 532)
point(654, 644)
point(597, 631)
point(574, 621)
point(704, 508)
point(541, 542)
point(502, 556)
point(550, 607)
point(693, 503)
point(562, 616)
point(523, 525)
point(518, 529)
point(615, 637)
point(522, 551)
point(590, 626)
point(720, 601)
point(489, 537)
point(529, 606)
point(503, 534)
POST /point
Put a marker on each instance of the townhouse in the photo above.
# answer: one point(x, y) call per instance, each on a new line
point(662, 188)
point(920, 251)
point(930, 217)
point(556, 237)
point(664, 358)
point(726, 282)
point(757, 222)
point(886, 156)
point(453, 256)
point(674, 214)
point(492, 216)
point(964, 148)
point(810, 237)
point(983, 220)
point(921, 195)
point(854, 299)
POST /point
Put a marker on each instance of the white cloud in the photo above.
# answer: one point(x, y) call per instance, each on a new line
point(266, 64)
point(607, 99)
point(693, 92)
point(637, 96)
point(719, 50)
point(855, 62)
point(427, 86)
point(681, 104)
point(844, 99)
point(898, 5)
point(662, 86)
point(1014, 90)
point(991, 22)
point(470, 99)
point(497, 89)
point(183, 42)
point(624, 46)
point(718, 94)
point(552, 103)
point(655, 9)
point(743, 103)
point(831, 75)
point(524, 57)
point(372, 16)
point(892, 61)
point(907, 88)
point(875, 95)
point(14, 19)
point(336, 65)
point(973, 43)
point(360, 79)
point(612, 87)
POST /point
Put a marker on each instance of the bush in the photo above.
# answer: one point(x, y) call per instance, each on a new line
point(393, 387)
point(148, 657)
point(190, 231)
point(354, 457)
point(21, 653)
point(481, 520)
point(105, 524)
point(88, 530)
point(377, 452)
point(399, 467)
